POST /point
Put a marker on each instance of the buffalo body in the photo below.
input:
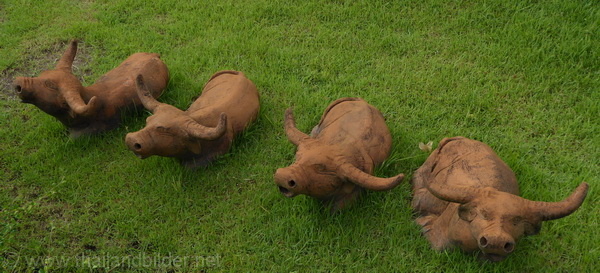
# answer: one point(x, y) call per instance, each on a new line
point(96, 108)
point(466, 196)
point(228, 104)
point(335, 163)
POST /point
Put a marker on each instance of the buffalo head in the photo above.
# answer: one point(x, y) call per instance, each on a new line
point(169, 131)
point(56, 91)
point(324, 171)
point(496, 219)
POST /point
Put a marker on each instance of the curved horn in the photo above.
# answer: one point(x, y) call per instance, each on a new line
point(144, 94)
point(294, 135)
point(200, 131)
point(456, 194)
point(66, 61)
point(555, 210)
point(366, 180)
point(73, 98)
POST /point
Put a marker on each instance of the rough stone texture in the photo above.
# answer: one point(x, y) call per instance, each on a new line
point(227, 105)
point(336, 162)
point(96, 108)
point(467, 197)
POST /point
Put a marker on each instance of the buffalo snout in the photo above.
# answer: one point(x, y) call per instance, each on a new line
point(19, 87)
point(496, 247)
point(137, 144)
point(286, 182)
point(23, 95)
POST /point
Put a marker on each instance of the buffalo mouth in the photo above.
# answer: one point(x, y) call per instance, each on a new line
point(140, 156)
point(493, 257)
point(286, 192)
point(23, 100)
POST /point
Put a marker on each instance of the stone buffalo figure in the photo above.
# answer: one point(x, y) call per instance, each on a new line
point(95, 108)
point(336, 162)
point(467, 197)
point(227, 105)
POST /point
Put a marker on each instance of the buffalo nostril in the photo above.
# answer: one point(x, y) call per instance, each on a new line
point(509, 247)
point(292, 183)
point(137, 146)
point(18, 88)
point(483, 242)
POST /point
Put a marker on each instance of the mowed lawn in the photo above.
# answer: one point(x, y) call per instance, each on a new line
point(521, 76)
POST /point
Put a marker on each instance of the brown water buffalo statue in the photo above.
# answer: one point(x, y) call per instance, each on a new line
point(336, 162)
point(467, 197)
point(227, 105)
point(96, 108)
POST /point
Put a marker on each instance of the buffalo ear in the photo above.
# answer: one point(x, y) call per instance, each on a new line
point(51, 84)
point(467, 212)
point(532, 228)
point(193, 146)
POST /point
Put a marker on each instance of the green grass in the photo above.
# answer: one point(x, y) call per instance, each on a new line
point(522, 76)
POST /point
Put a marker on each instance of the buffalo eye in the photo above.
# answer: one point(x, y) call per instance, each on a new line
point(162, 129)
point(466, 212)
point(322, 169)
point(319, 167)
point(517, 220)
point(51, 84)
point(486, 215)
